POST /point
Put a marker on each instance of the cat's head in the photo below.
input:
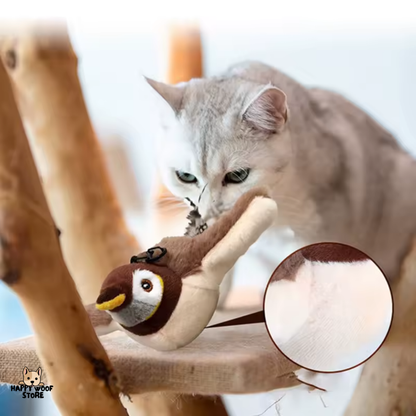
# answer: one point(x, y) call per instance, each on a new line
point(225, 134)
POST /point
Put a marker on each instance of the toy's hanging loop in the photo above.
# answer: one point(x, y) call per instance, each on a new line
point(150, 256)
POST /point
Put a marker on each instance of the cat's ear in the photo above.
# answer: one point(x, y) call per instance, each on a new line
point(267, 111)
point(172, 94)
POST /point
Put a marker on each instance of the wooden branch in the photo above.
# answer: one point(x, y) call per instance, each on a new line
point(94, 239)
point(388, 383)
point(185, 53)
point(31, 264)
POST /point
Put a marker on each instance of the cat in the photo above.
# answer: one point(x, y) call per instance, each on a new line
point(335, 173)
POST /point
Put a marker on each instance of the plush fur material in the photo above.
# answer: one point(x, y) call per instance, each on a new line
point(170, 301)
point(339, 304)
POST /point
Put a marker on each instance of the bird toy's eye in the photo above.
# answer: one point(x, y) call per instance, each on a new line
point(147, 285)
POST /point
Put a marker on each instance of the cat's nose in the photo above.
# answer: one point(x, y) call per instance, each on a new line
point(32, 381)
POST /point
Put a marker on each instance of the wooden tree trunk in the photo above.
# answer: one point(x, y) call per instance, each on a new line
point(94, 239)
point(31, 264)
point(387, 386)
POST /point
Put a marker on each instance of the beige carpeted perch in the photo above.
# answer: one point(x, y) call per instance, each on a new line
point(234, 360)
point(31, 264)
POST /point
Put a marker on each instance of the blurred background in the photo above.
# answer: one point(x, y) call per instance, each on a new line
point(370, 59)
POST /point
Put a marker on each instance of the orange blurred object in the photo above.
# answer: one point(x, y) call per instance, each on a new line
point(185, 63)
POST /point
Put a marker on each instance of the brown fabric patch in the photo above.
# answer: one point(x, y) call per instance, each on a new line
point(289, 267)
point(320, 252)
point(333, 252)
point(98, 318)
point(120, 280)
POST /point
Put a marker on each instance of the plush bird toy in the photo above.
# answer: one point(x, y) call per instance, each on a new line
point(167, 295)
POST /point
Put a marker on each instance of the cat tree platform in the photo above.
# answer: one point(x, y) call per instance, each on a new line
point(233, 360)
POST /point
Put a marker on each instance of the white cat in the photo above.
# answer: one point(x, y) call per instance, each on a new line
point(335, 173)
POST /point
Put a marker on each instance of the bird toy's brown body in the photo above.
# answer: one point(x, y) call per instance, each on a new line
point(168, 294)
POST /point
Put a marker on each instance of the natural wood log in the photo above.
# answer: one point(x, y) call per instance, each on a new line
point(94, 239)
point(388, 383)
point(31, 264)
point(119, 165)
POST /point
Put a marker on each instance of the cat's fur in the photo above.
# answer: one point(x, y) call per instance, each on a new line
point(335, 173)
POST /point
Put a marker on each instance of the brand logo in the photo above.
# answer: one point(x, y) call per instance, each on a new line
point(31, 386)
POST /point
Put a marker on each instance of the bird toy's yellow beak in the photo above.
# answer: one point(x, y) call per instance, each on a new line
point(111, 304)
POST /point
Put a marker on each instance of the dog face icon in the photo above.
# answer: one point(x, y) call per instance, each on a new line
point(32, 378)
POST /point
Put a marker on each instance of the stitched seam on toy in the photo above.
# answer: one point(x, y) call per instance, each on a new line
point(198, 287)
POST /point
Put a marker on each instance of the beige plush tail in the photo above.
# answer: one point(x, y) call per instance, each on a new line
point(258, 215)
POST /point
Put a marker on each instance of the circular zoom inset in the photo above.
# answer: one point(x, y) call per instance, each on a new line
point(328, 307)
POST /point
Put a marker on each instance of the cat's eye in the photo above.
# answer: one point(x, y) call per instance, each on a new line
point(186, 177)
point(147, 285)
point(28, 378)
point(237, 176)
point(36, 378)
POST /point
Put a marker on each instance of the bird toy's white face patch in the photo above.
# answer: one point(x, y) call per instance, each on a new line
point(147, 295)
point(147, 289)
